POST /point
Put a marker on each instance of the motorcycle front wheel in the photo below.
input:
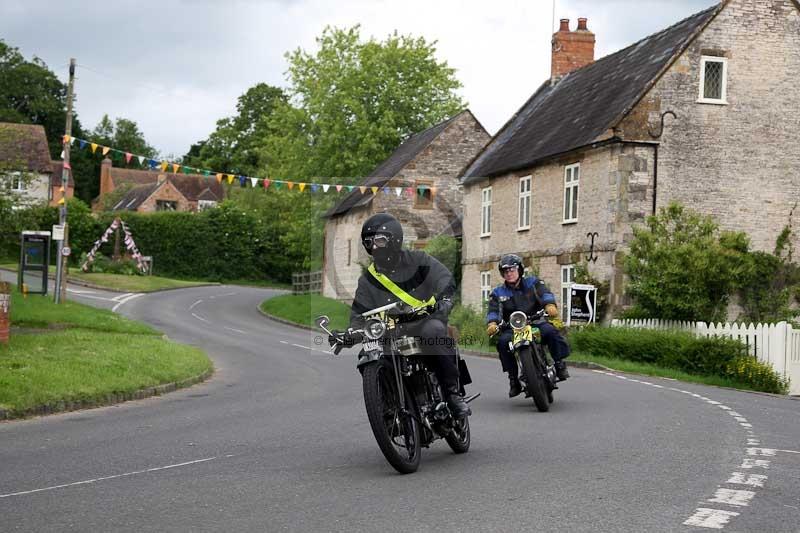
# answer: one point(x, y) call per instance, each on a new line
point(396, 432)
point(533, 374)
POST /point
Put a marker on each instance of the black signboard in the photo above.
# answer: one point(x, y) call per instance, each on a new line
point(582, 304)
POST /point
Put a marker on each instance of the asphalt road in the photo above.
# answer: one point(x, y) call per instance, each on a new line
point(279, 440)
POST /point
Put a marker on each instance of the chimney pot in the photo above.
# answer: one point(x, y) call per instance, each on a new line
point(564, 25)
point(582, 24)
point(571, 49)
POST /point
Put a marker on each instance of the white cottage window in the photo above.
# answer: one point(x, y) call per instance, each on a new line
point(572, 176)
point(486, 285)
point(486, 212)
point(713, 80)
point(524, 217)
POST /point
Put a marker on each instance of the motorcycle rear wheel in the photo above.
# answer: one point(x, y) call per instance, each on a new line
point(397, 434)
point(536, 385)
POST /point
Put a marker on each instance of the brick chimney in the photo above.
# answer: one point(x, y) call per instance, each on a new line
point(571, 49)
point(106, 183)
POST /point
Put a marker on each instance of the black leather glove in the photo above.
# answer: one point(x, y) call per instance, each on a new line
point(345, 338)
point(442, 307)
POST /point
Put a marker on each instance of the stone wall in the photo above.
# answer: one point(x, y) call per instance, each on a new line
point(738, 161)
point(166, 192)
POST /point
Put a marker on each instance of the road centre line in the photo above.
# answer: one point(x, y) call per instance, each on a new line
point(194, 304)
point(198, 317)
point(95, 480)
point(121, 297)
point(126, 300)
point(236, 330)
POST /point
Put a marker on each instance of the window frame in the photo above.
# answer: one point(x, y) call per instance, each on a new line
point(486, 289)
point(723, 100)
point(571, 189)
point(420, 200)
point(525, 200)
point(566, 284)
point(486, 212)
point(160, 204)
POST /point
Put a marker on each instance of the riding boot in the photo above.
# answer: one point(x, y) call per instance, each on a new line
point(456, 403)
point(514, 388)
point(561, 370)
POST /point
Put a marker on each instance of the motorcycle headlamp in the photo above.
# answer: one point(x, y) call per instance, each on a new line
point(375, 328)
point(518, 320)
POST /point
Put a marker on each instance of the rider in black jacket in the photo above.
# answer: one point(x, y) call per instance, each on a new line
point(415, 278)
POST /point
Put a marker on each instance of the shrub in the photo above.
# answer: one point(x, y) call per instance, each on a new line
point(757, 374)
point(641, 345)
point(471, 325)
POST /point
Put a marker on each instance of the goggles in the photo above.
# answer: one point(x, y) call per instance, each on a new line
point(379, 240)
point(508, 268)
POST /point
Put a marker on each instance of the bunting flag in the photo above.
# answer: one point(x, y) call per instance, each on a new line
point(153, 164)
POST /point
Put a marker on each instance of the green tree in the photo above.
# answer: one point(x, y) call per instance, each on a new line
point(234, 146)
point(682, 268)
point(353, 102)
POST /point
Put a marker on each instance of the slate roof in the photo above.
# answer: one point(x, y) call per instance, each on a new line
point(190, 185)
point(582, 106)
point(136, 197)
point(24, 147)
point(391, 166)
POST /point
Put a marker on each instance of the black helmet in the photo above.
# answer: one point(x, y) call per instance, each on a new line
point(384, 224)
point(511, 260)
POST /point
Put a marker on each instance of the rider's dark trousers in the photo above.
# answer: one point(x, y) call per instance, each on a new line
point(555, 342)
point(431, 333)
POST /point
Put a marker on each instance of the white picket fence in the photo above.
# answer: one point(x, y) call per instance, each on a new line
point(776, 344)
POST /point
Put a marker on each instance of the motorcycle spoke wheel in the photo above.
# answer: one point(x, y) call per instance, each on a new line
point(396, 432)
point(535, 379)
point(459, 438)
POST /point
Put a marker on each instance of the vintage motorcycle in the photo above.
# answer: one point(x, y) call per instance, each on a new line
point(537, 370)
point(405, 403)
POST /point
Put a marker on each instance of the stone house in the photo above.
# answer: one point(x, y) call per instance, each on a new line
point(152, 190)
point(418, 184)
point(703, 112)
point(25, 165)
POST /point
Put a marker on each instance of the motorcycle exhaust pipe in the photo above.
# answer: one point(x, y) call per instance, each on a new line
point(470, 398)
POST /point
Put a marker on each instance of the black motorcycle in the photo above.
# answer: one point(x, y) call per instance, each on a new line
point(405, 403)
point(537, 371)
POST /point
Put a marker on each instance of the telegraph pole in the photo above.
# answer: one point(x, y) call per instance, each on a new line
point(66, 171)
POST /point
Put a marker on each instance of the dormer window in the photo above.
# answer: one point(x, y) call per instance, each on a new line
point(713, 80)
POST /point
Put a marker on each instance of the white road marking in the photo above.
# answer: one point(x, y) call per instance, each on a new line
point(126, 300)
point(710, 518)
point(712, 402)
point(227, 294)
point(754, 480)
point(733, 413)
point(724, 407)
point(236, 330)
point(76, 291)
point(310, 348)
point(194, 304)
point(95, 297)
point(753, 463)
point(753, 442)
point(121, 297)
point(284, 342)
point(739, 498)
point(95, 480)
point(198, 317)
point(768, 452)
point(787, 451)
point(745, 425)
point(740, 418)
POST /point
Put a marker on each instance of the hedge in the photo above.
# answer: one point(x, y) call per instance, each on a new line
point(710, 356)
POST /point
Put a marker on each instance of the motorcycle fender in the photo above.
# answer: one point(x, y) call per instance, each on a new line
point(365, 358)
point(463, 373)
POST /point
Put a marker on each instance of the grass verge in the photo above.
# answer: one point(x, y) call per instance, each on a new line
point(304, 308)
point(84, 354)
point(646, 369)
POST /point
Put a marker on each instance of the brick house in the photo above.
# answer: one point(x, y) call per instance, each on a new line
point(152, 190)
point(427, 165)
point(25, 165)
point(703, 112)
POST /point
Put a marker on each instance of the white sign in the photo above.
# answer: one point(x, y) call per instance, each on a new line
point(65, 251)
point(5, 301)
point(58, 232)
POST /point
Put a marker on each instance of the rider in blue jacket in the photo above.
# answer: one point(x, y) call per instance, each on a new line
point(528, 294)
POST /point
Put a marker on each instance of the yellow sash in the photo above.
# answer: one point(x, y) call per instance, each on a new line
point(397, 291)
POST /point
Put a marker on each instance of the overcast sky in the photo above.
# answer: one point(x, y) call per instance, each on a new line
point(177, 66)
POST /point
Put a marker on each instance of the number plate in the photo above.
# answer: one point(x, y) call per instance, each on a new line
point(371, 346)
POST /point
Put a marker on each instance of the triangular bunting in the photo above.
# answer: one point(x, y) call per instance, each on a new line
point(254, 182)
point(141, 160)
point(325, 187)
point(374, 190)
point(338, 188)
point(266, 183)
point(302, 186)
point(128, 156)
point(164, 166)
point(175, 168)
point(94, 147)
point(398, 191)
point(219, 178)
point(105, 150)
point(82, 144)
point(362, 189)
point(230, 179)
point(290, 184)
